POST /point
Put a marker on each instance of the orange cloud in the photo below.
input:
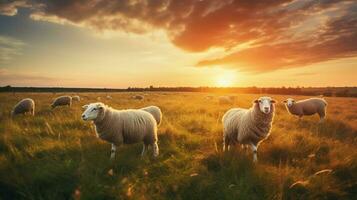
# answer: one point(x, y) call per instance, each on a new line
point(281, 33)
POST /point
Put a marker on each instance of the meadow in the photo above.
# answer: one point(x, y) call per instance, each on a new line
point(56, 155)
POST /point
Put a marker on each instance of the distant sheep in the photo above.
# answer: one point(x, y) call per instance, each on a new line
point(24, 106)
point(76, 98)
point(224, 100)
point(155, 112)
point(248, 126)
point(123, 126)
point(99, 98)
point(138, 97)
point(307, 107)
point(109, 97)
point(62, 101)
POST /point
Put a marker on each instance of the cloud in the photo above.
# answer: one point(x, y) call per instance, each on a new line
point(8, 77)
point(280, 33)
point(9, 48)
point(9, 7)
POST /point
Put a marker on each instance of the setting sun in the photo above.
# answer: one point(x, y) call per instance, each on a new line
point(225, 80)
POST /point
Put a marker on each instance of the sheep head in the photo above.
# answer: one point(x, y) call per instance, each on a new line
point(265, 104)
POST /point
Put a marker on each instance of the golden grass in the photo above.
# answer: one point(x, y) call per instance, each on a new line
point(56, 155)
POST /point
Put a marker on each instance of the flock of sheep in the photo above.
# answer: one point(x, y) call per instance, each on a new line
point(248, 127)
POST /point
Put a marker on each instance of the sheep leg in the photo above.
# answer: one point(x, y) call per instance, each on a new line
point(254, 149)
point(112, 151)
point(322, 116)
point(226, 145)
point(224, 142)
point(155, 149)
point(144, 150)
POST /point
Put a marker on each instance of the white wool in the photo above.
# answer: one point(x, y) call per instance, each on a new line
point(62, 101)
point(248, 126)
point(24, 106)
point(155, 112)
point(305, 107)
point(123, 126)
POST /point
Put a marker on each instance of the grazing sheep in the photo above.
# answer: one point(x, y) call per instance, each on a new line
point(248, 126)
point(76, 98)
point(109, 97)
point(155, 112)
point(224, 100)
point(24, 106)
point(62, 101)
point(123, 126)
point(138, 97)
point(307, 107)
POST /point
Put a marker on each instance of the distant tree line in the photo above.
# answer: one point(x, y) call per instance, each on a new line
point(308, 91)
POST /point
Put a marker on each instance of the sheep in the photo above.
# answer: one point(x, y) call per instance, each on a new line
point(109, 97)
point(24, 106)
point(224, 100)
point(138, 97)
point(155, 112)
point(248, 126)
point(76, 98)
point(123, 126)
point(62, 101)
point(309, 106)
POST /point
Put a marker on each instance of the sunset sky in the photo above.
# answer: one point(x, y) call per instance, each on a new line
point(97, 43)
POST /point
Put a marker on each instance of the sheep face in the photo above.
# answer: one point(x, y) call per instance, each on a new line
point(92, 111)
point(289, 102)
point(265, 104)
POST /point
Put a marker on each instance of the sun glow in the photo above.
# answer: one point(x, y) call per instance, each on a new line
point(225, 80)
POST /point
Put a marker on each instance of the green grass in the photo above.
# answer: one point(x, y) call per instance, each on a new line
point(56, 155)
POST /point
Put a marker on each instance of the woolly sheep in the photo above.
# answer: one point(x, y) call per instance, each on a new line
point(62, 101)
point(24, 106)
point(76, 98)
point(248, 126)
point(224, 100)
point(155, 112)
point(309, 106)
point(138, 97)
point(122, 126)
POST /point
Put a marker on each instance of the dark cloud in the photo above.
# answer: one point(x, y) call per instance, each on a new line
point(280, 33)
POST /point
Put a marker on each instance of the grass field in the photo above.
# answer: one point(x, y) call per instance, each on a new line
point(56, 155)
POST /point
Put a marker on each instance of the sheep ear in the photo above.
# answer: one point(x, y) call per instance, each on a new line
point(285, 101)
point(256, 101)
point(273, 101)
point(85, 106)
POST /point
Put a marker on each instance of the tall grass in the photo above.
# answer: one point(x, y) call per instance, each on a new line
point(56, 155)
